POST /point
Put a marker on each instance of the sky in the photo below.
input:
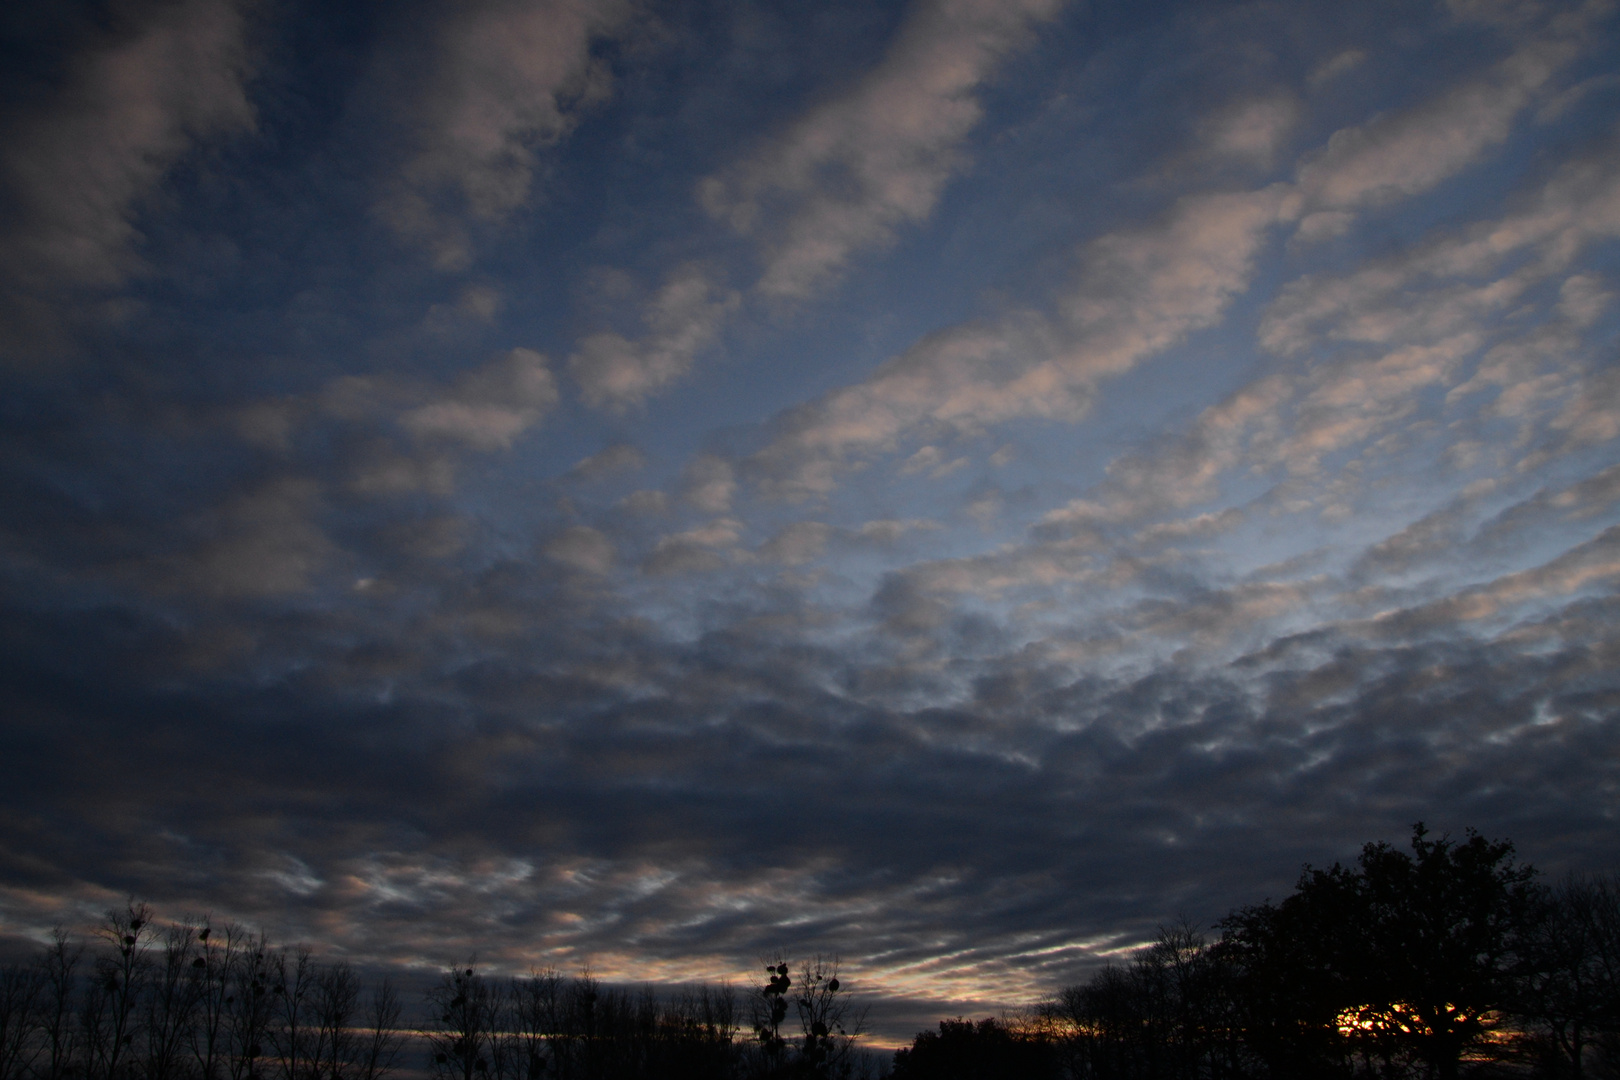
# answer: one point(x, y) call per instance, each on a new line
point(954, 484)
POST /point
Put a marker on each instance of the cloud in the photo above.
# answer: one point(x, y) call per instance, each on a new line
point(431, 538)
point(1434, 536)
point(507, 79)
point(797, 543)
point(931, 460)
point(265, 543)
point(806, 541)
point(1339, 64)
point(1252, 131)
point(708, 483)
point(840, 181)
point(489, 408)
point(1593, 413)
point(582, 548)
point(685, 318)
point(1422, 312)
point(1138, 293)
point(1359, 398)
point(485, 410)
point(134, 101)
point(1408, 151)
point(1476, 527)
point(612, 460)
point(613, 795)
point(1594, 564)
point(378, 470)
point(700, 550)
point(306, 625)
point(1439, 286)
point(877, 156)
point(645, 502)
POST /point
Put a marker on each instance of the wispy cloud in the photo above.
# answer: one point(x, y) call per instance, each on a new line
point(135, 100)
point(505, 81)
point(1137, 293)
point(877, 155)
point(684, 318)
point(838, 182)
point(1411, 150)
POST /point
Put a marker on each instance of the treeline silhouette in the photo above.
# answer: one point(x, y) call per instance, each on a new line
point(190, 1001)
point(1446, 960)
point(799, 1023)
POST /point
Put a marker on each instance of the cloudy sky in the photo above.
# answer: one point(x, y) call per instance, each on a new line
point(952, 483)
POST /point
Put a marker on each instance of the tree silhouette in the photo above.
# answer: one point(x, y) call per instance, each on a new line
point(1570, 988)
point(828, 1022)
point(381, 1039)
point(58, 966)
point(963, 1050)
point(111, 1013)
point(21, 991)
point(1409, 956)
point(1169, 1013)
point(463, 1010)
point(1408, 963)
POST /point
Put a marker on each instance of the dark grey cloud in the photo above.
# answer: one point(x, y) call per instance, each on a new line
point(1035, 576)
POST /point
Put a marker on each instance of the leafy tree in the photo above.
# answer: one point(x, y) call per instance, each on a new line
point(1446, 927)
point(1290, 984)
point(1407, 957)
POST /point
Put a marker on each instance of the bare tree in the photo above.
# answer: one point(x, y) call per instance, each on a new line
point(20, 1044)
point(463, 1009)
point(58, 967)
point(212, 976)
point(697, 1031)
point(336, 1004)
point(536, 1021)
point(828, 1022)
point(1570, 992)
point(290, 1015)
point(170, 1002)
point(110, 1015)
point(248, 1005)
point(381, 1039)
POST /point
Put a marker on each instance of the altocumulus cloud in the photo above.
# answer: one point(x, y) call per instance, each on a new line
point(947, 483)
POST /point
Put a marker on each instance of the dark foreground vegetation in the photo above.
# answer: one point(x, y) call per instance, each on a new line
point(1446, 961)
point(1449, 960)
point(190, 1001)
